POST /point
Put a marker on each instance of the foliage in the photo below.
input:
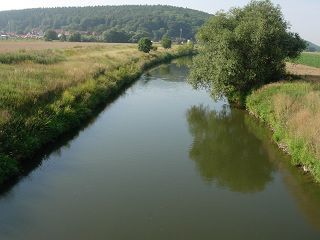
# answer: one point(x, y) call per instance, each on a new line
point(63, 37)
point(75, 37)
point(51, 35)
point(150, 21)
point(293, 112)
point(166, 42)
point(145, 45)
point(309, 59)
point(243, 49)
point(114, 36)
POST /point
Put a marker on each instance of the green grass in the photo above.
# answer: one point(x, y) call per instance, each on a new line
point(39, 103)
point(309, 59)
point(41, 57)
point(292, 109)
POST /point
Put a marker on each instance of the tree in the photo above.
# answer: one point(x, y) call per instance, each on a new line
point(145, 45)
point(75, 37)
point(51, 35)
point(114, 36)
point(166, 42)
point(243, 49)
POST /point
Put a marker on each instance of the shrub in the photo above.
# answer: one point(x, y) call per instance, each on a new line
point(75, 37)
point(50, 35)
point(166, 42)
point(145, 45)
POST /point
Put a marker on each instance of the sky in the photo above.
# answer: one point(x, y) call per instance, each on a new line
point(304, 16)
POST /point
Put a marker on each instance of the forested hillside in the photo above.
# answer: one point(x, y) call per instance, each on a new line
point(311, 47)
point(134, 21)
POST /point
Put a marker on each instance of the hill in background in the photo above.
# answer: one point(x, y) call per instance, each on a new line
point(311, 47)
point(132, 20)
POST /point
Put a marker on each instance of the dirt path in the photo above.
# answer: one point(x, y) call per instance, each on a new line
point(303, 70)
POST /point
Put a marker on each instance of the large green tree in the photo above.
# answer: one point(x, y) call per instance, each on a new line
point(243, 49)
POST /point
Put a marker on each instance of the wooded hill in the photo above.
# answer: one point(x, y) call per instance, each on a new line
point(135, 20)
point(311, 47)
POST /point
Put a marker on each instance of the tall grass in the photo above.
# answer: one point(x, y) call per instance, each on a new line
point(40, 57)
point(293, 112)
point(39, 103)
point(309, 59)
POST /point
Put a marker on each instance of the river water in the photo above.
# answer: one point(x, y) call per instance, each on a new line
point(164, 161)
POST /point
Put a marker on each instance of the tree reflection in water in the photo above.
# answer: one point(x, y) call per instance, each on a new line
point(226, 152)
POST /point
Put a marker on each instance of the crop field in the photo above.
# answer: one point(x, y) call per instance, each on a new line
point(309, 59)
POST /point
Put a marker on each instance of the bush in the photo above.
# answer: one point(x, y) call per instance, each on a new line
point(50, 35)
point(166, 42)
point(75, 37)
point(145, 45)
point(244, 49)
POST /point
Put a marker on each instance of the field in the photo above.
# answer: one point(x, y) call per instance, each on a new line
point(53, 88)
point(7, 46)
point(309, 59)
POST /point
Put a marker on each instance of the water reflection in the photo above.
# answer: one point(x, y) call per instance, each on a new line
point(173, 72)
point(225, 152)
point(305, 192)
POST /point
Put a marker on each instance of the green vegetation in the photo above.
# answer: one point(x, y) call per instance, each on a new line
point(166, 42)
point(293, 112)
point(309, 59)
point(244, 49)
point(75, 37)
point(136, 21)
point(115, 36)
point(51, 35)
point(40, 57)
point(39, 103)
point(145, 45)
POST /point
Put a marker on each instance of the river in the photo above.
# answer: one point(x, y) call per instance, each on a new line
point(164, 161)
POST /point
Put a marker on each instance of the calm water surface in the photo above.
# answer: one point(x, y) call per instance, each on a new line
point(164, 161)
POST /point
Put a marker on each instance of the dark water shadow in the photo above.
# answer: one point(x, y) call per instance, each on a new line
point(225, 152)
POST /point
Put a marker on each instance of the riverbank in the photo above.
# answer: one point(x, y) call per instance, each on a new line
point(292, 110)
point(47, 93)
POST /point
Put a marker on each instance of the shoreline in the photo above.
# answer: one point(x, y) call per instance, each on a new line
point(289, 109)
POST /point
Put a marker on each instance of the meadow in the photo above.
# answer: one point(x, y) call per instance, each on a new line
point(308, 59)
point(46, 92)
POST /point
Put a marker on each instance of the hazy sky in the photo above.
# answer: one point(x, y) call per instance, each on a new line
point(304, 16)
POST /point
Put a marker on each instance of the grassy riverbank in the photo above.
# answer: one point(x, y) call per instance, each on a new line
point(46, 93)
point(292, 110)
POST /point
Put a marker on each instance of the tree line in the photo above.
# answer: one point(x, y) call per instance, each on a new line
point(114, 23)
